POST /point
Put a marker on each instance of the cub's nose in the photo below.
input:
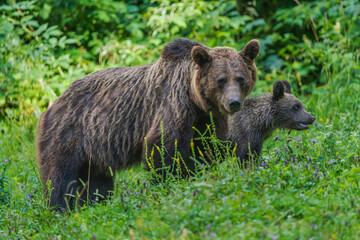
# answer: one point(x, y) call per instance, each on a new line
point(234, 105)
point(312, 119)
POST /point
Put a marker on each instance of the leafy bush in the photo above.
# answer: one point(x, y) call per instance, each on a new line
point(45, 45)
point(31, 55)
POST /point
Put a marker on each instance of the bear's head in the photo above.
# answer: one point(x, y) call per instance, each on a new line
point(289, 111)
point(223, 77)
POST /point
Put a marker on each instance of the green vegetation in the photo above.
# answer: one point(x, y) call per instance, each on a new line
point(306, 187)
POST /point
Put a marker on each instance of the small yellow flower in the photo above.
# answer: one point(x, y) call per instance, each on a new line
point(234, 150)
point(76, 215)
point(175, 142)
point(157, 147)
point(201, 154)
point(337, 153)
point(234, 159)
point(192, 145)
point(212, 135)
point(149, 164)
point(334, 236)
point(267, 77)
point(152, 152)
point(145, 139)
point(177, 160)
point(130, 171)
point(208, 127)
point(321, 119)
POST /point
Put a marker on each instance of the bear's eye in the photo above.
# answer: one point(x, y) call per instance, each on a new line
point(240, 80)
point(221, 82)
point(296, 107)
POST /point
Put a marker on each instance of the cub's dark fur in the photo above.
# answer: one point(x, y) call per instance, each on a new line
point(252, 125)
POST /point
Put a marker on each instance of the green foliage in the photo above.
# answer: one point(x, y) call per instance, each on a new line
point(309, 190)
point(29, 59)
point(45, 45)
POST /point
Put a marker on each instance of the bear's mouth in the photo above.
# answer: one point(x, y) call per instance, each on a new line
point(228, 112)
point(302, 126)
point(224, 111)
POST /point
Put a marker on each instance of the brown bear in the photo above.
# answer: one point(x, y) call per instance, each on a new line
point(108, 119)
point(260, 116)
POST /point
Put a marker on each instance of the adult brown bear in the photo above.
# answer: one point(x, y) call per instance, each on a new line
point(101, 120)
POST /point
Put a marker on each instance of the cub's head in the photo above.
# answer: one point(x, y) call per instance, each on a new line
point(223, 77)
point(289, 111)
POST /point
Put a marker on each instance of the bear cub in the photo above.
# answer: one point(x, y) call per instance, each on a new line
point(260, 116)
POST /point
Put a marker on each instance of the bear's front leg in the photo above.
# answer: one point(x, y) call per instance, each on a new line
point(163, 155)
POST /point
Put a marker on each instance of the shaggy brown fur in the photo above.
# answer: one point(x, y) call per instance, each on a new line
point(101, 120)
point(260, 116)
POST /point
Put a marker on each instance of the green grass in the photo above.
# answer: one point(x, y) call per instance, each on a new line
point(281, 198)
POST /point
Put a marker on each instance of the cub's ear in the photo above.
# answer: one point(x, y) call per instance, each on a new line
point(278, 90)
point(200, 56)
point(251, 50)
point(287, 87)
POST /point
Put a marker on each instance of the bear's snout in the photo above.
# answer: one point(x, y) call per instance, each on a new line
point(312, 119)
point(234, 105)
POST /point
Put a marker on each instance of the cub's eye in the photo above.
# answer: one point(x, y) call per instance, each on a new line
point(221, 82)
point(240, 80)
point(296, 107)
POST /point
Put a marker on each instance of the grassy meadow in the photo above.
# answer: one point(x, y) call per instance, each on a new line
point(305, 184)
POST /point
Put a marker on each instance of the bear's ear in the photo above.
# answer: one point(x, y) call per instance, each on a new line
point(287, 87)
point(278, 90)
point(200, 56)
point(251, 50)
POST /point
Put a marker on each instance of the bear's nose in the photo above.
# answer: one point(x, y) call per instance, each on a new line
point(312, 119)
point(234, 105)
